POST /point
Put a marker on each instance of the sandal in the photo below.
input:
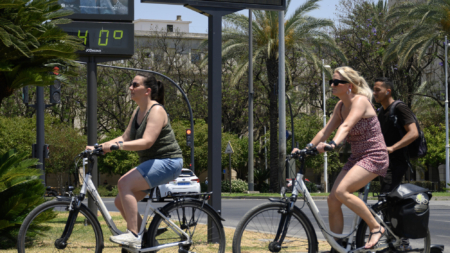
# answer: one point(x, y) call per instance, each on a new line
point(372, 233)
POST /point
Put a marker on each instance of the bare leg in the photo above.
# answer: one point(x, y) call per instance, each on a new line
point(130, 187)
point(335, 215)
point(356, 178)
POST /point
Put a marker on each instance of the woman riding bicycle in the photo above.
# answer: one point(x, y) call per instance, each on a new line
point(150, 134)
point(356, 121)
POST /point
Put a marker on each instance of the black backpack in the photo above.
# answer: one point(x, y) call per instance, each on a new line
point(418, 148)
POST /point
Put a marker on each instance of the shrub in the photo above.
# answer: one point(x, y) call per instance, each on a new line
point(21, 190)
point(237, 185)
point(312, 187)
point(262, 187)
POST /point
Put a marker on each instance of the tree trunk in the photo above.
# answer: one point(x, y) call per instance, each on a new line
point(5, 89)
point(272, 74)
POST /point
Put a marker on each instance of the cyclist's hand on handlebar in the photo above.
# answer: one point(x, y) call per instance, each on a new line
point(322, 146)
point(295, 150)
point(106, 147)
point(89, 148)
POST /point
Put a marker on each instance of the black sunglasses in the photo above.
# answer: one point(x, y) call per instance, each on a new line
point(134, 84)
point(336, 82)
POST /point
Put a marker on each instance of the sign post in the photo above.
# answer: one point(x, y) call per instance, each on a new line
point(229, 151)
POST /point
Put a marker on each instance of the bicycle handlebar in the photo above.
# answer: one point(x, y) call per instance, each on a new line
point(307, 152)
point(98, 150)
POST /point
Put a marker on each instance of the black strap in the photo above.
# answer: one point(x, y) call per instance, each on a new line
point(394, 119)
point(340, 112)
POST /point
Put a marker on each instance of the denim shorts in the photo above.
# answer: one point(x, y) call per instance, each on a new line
point(160, 171)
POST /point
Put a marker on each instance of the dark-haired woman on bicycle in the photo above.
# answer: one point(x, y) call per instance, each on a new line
point(150, 134)
point(357, 122)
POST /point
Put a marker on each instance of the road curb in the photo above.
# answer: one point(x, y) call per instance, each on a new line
point(437, 198)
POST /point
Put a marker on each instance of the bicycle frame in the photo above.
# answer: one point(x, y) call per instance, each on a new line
point(300, 187)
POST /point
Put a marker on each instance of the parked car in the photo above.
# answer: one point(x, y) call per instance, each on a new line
point(187, 182)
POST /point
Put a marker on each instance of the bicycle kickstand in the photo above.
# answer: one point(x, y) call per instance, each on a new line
point(181, 250)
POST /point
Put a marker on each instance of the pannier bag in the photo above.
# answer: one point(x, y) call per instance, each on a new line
point(409, 212)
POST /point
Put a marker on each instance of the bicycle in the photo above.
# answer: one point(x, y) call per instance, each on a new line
point(281, 226)
point(67, 224)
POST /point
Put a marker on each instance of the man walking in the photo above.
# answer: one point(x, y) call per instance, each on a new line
point(396, 142)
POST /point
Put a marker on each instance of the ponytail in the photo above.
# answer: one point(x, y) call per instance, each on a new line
point(156, 86)
point(160, 94)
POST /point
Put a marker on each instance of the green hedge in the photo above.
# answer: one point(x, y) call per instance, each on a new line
point(237, 185)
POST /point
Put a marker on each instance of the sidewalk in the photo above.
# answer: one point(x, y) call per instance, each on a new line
point(437, 198)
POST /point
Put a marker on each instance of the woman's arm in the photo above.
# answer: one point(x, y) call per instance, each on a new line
point(357, 111)
point(156, 120)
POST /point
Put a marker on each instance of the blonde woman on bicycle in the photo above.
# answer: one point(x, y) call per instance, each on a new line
point(150, 134)
point(357, 122)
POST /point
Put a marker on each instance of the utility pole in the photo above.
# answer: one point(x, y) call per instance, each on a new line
point(447, 176)
point(281, 101)
point(325, 156)
point(250, 103)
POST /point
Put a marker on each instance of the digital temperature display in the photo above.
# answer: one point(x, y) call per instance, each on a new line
point(100, 38)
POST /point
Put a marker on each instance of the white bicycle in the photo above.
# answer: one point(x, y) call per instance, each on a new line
point(66, 224)
point(281, 226)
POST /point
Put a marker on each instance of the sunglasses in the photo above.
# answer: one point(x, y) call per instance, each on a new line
point(336, 82)
point(134, 84)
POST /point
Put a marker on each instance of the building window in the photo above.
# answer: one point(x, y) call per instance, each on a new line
point(170, 28)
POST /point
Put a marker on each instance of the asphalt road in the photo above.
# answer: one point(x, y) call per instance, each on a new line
point(234, 209)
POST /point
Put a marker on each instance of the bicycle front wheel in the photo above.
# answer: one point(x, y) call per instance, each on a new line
point(202, 224)
point(258, 228)
point(45, 225)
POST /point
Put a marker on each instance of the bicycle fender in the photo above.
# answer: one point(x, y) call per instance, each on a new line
point(207, 205)
point(63, 198)
point(308, 223)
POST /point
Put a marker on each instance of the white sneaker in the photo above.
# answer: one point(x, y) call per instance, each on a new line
point(127, 239)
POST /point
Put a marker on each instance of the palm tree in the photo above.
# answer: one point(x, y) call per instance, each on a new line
point(31, 44)
point(416, 40)
point(419, 27)
point(303, 34)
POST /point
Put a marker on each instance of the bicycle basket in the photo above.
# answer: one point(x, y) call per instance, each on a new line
point(409, 212)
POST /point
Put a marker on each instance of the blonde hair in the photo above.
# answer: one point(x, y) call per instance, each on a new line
point(360, 85)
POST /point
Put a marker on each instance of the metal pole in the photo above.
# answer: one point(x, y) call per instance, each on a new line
point(288, 166)
point(40, 130)
point(281, 100)
point(229, 165)
point(325, 156)
point(250, 103)
point(447, 175)
point(92, 120)
point(265, 152)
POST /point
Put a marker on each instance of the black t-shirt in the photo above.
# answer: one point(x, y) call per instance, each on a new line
point(391, 133)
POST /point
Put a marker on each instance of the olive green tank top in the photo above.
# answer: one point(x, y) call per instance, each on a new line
point(166, 146)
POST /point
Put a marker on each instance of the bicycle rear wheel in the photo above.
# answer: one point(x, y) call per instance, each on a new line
point(421, 245)
point(202, 224)
point(257, 229)
point(45, 224)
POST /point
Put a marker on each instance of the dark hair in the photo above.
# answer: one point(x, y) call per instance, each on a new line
point(156, 86)
point(387, 83)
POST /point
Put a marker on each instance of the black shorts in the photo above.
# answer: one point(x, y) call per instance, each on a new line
point(393, 178)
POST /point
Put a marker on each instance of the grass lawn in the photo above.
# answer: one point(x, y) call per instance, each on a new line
point(121, 224)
